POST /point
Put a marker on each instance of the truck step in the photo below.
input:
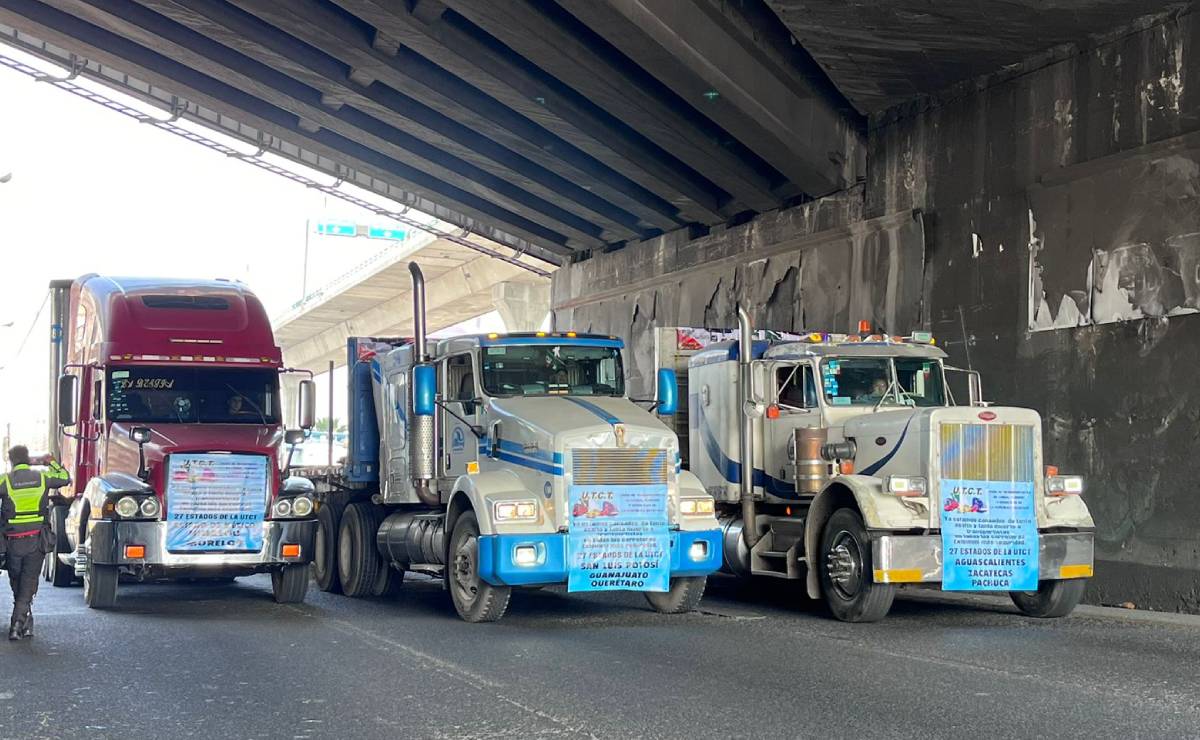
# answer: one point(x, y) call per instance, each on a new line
point(772, 553)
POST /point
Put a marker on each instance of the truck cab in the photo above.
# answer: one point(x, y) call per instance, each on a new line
point(504, 461)
point(867, 475)
point(167, 396)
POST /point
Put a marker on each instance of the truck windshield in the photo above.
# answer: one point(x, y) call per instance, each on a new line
point(185, 395)
point(552, 370)
point(864, 381)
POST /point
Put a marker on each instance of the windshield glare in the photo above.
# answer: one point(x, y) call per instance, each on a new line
point(184, 395)
point(552, 370)
point(865, 381)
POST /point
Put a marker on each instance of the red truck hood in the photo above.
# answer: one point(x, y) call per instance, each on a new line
point(167, 438)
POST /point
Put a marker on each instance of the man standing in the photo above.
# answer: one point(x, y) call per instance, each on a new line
point(24, 502)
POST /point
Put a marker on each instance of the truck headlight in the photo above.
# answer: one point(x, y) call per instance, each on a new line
point(696, 506)
point(127, 507)
point(1064, 485)
point(149, 508)
point(698, 551)
point(905, 485)
point(514, 511)
point(302, 506)
point(282, 508)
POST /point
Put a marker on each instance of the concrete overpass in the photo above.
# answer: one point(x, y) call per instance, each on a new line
point(377, 300)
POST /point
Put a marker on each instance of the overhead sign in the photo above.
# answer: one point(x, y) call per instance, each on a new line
point(370, 232)
point(618, 539)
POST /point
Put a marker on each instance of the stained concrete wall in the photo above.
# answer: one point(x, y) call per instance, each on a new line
point(1119, 395)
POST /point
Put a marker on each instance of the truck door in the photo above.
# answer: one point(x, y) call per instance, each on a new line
point(795, 394)
point(459, 444)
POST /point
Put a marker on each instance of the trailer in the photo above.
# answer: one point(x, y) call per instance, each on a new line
point(507, 461)
point(864, 476)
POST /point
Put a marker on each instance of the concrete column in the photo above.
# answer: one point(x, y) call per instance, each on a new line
point(523, 306)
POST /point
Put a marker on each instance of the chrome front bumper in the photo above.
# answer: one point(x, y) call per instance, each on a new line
point(108, 540)
point(900, 558)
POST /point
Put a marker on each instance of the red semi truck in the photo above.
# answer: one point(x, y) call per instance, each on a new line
point(167, 400)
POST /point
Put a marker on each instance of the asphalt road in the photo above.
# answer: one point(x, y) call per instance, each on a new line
point(218, 661)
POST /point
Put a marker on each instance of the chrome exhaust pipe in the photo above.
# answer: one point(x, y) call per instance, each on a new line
point(745, 353)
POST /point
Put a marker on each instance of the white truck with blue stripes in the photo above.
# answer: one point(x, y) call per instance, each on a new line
point(504, 461)
point(866, 477)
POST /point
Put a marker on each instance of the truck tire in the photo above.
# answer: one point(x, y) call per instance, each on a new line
point(684, 596)
point(100, 586)
point(388, 582)
point(56, 573)
point(1053, 599)
point(475, 599)
point(325, 555)
point(358, 559)
point(289, 584)
point(845, 570)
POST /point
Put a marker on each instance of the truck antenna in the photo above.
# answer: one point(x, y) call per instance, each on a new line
point(962, 324)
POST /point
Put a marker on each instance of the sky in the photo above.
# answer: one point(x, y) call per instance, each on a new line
point(95, 191)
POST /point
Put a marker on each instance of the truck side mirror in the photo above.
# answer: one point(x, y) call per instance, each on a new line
point(68, 399)
point(975, 388)
point(758, 383)
point(308, 404)
point(668, 392)
point(424, 390)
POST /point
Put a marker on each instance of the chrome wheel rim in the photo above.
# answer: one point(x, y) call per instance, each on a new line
point(844, 564)
point(466, 574)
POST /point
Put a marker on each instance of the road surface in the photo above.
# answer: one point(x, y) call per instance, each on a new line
point(222, 660)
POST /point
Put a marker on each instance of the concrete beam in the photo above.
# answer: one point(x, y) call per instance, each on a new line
point(170, 27)
point(523, 306)
point(401, 101)
point(450, 203)
point(704, 53)
point(552, 39)
point(460, 48)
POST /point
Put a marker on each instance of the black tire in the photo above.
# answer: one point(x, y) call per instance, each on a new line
point(845, 570)
point(474, 599)
point(358, 559)
point(59, 575)
point(289, 584)
point(388, 582)
point(100, 586)
point(1052, 600)
point(684, 596)
point(325, 556)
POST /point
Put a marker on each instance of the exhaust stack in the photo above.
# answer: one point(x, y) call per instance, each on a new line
point(422, 430)
point(746, 427)
point(60, 302)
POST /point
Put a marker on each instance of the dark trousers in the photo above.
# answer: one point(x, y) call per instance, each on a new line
point(25, 558)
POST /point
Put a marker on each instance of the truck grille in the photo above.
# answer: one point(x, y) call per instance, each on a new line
point(987, 452)
point(617, 467)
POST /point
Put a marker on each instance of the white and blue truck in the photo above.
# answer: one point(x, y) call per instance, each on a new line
point(866, 477)
point(504, 461)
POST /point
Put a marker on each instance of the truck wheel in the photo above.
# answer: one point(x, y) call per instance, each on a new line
point(289, 584)
point(388, 582)
point(475, 599)
point(56, 573)
point(358, 559)
point(100, 586)
point(325, 556)
point(844, 564)
point(1052, 599)
point(684, 596)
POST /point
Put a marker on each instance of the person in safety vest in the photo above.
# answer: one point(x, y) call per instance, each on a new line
point(24, 501)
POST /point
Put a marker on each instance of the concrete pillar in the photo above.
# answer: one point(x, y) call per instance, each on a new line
point(522, 306)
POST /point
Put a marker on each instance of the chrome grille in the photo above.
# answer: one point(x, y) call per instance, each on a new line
point(987, 452)
point(617, 467)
